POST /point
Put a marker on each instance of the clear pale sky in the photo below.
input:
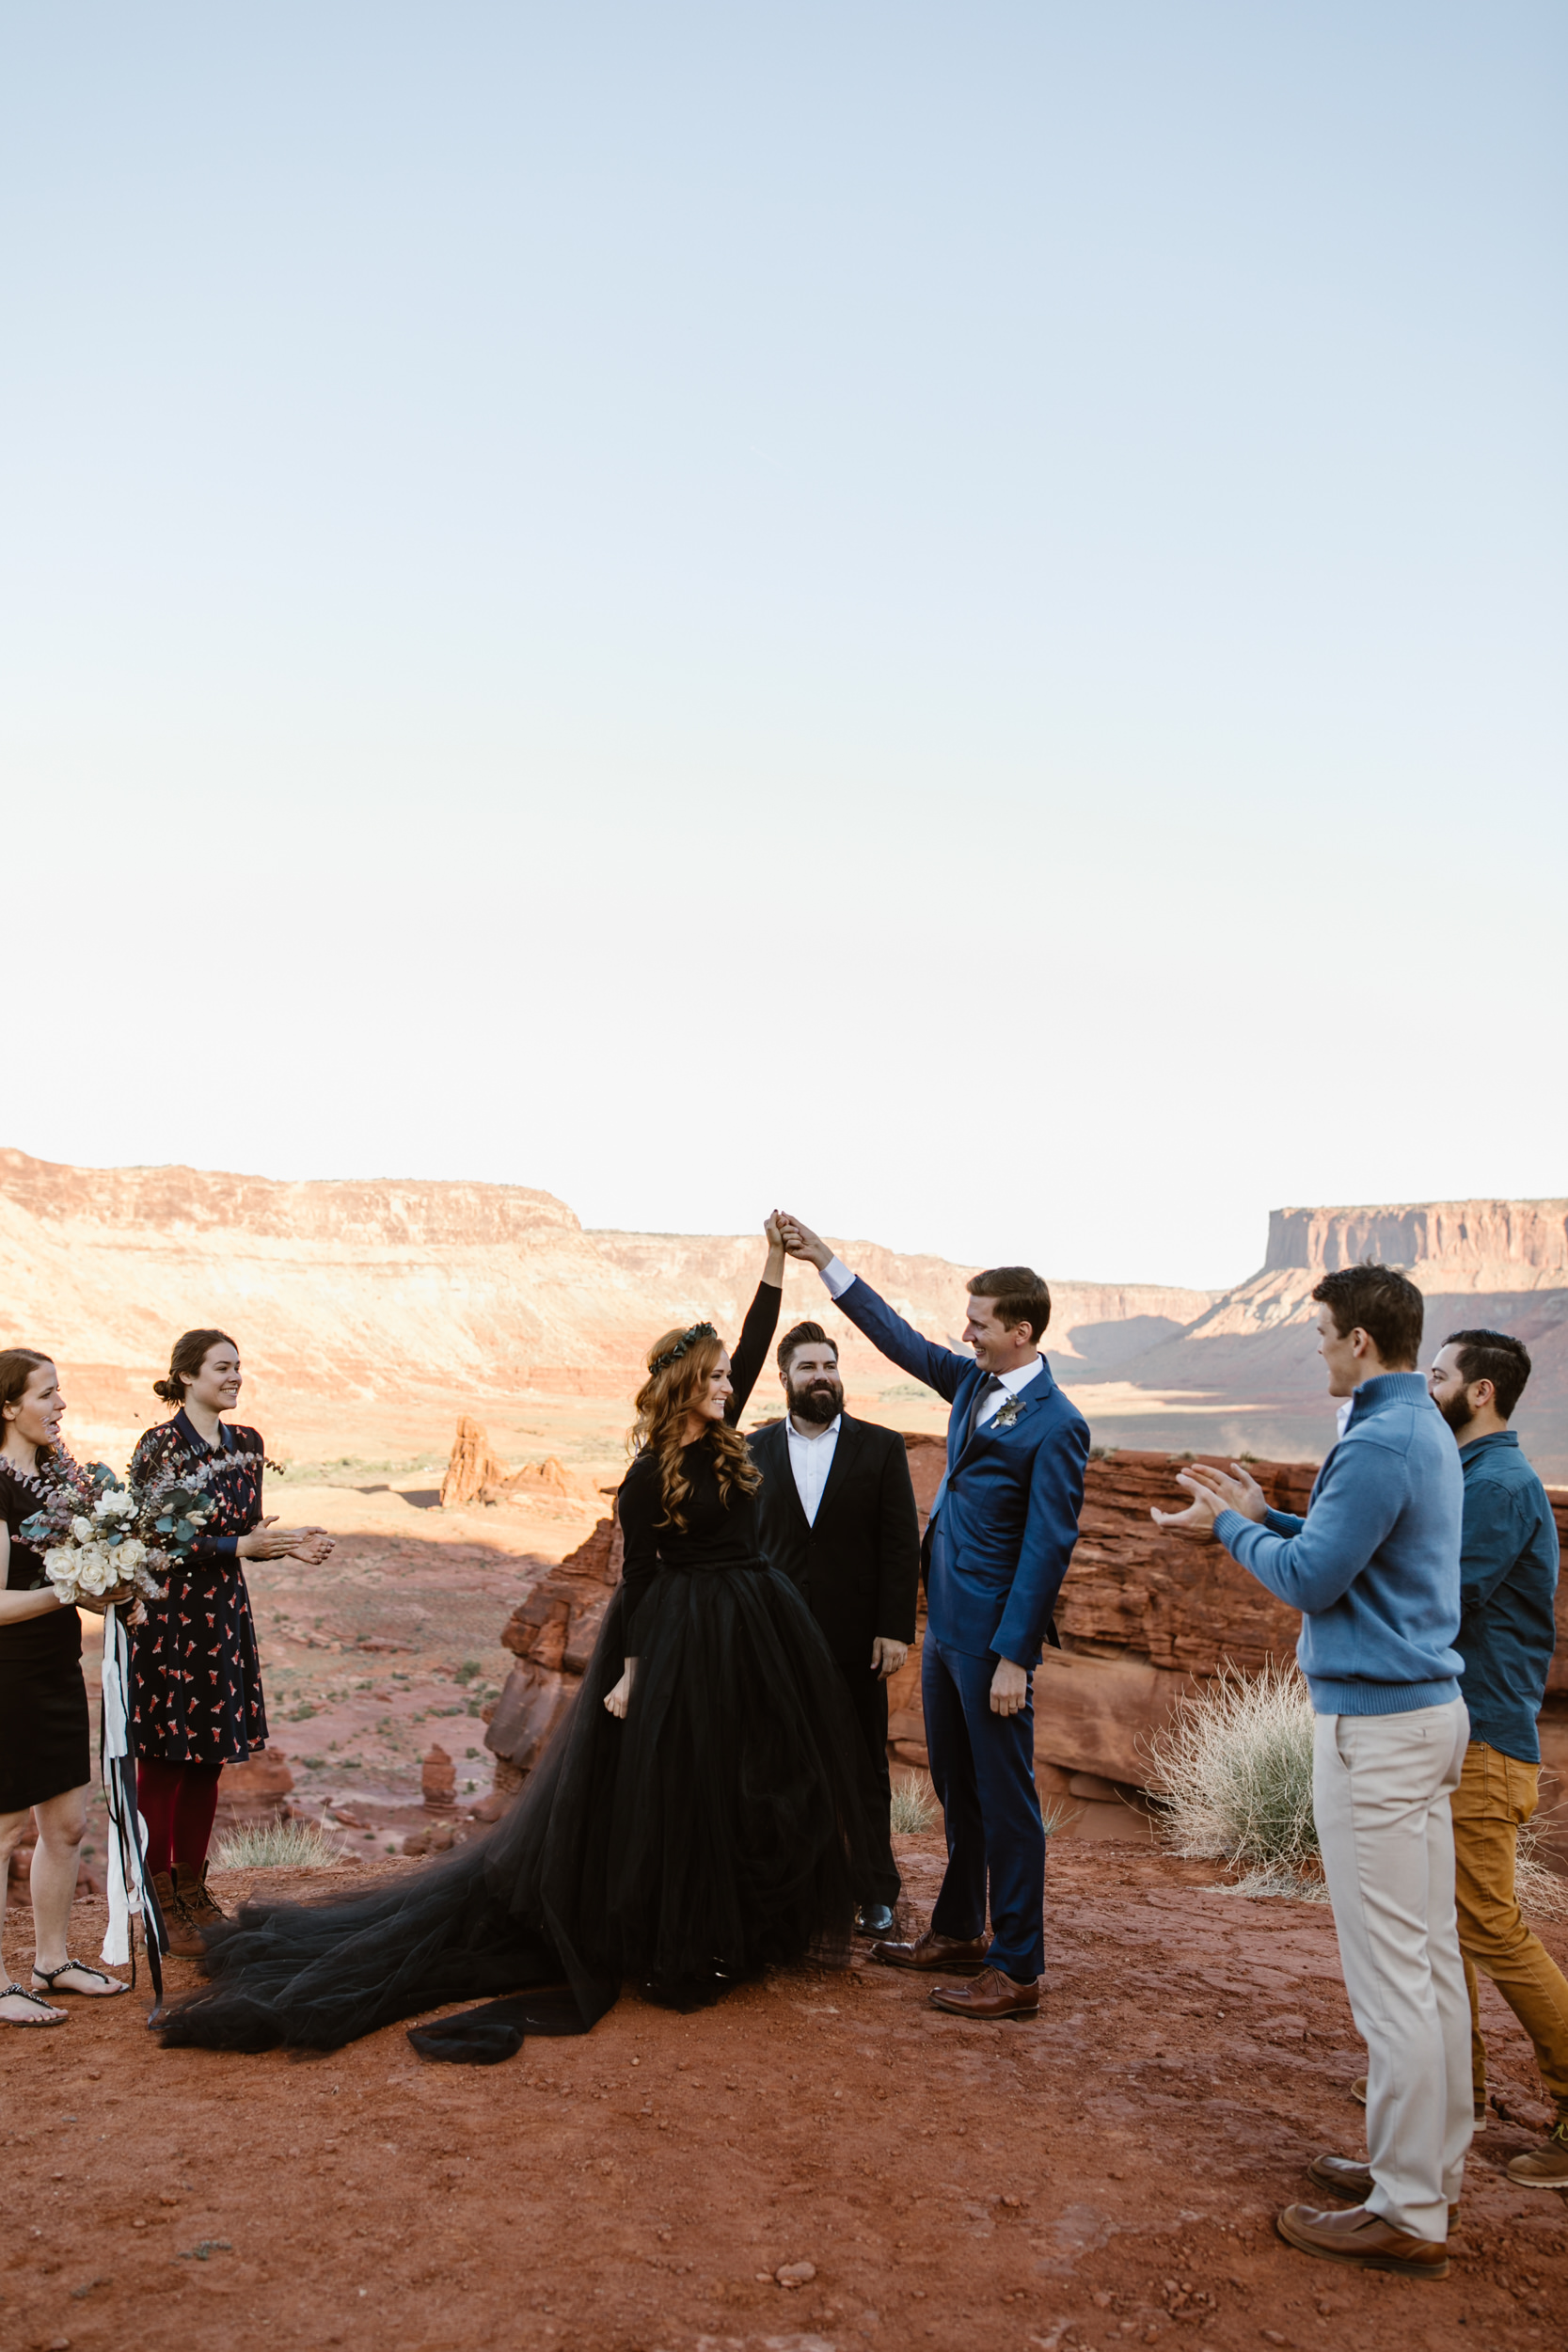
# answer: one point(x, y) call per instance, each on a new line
point(953, 614)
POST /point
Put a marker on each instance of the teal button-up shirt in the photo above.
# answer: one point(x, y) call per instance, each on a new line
point(1508, 1569)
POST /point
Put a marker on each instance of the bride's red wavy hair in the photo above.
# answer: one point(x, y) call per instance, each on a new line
point(662, 1405)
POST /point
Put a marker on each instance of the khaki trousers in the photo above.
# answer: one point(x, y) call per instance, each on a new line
point(1497, 1795)
point(1380, 1786)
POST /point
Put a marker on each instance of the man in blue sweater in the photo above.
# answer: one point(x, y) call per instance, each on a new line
point(1508, 1581)
point(1374, 1569)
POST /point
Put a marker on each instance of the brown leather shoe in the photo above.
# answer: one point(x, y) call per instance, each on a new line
point(184, 1936)
point(1364, 2239)
point(991, 1995)
point(1545, 2167)
point(946, 1954)
point(1343, 2177)
point(194, 1896)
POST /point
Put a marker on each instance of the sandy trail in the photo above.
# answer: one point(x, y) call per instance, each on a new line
point(1106, 2176)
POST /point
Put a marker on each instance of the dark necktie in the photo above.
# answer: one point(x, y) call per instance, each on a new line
point(988, 1386)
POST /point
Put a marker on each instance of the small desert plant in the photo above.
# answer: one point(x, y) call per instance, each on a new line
point(279, 1846)
point(914, 1804)
point(1541, 1891)
point(1232, 1777)
point(1054, 1816)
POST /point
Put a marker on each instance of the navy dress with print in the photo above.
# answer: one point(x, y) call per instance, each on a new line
point(195, 1679)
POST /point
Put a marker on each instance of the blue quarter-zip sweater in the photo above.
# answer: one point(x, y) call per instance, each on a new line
point(1374, 1565)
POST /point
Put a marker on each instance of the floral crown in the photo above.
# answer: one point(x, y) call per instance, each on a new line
point(674, 1355)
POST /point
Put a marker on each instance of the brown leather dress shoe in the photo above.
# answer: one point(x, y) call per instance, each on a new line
point(946, 1954)
point(1364, 2239)
point(991, 1995)
point(184, 1936)
point(1343, 2177)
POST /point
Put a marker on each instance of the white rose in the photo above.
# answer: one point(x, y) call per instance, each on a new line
point(82, 1529)
point(59, 1567)
point(130, 1554)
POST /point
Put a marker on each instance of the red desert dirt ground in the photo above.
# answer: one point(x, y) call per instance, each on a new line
point(1105, 2176)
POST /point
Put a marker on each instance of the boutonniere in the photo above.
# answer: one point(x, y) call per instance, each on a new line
point(1007, 1412)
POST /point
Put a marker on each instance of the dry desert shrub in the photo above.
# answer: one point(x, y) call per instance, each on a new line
point(914, 1804)
point(1540, 1891)
point(278, 1846)
point(1232, 1777)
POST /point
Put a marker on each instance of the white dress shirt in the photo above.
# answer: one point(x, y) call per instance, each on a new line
point(811, 1457)
point(837, 1276)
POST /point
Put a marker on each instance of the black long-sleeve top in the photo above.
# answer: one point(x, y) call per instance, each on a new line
point(718, 1535)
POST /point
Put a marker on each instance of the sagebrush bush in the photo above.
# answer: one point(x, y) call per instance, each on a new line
point(278, 1846)
point(1540, 1891)
point(1232, 1777)
point(914, 1804)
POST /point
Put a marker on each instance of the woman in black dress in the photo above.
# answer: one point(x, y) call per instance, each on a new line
point(195, 1679)
point(45, 1756)
point(691, 1822)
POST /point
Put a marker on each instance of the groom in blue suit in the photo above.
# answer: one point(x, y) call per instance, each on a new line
point(997, 1547)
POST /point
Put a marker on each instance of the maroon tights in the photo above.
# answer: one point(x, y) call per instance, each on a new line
point(177, 1802)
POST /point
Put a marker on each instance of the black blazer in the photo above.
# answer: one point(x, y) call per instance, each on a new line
point(859, 1566)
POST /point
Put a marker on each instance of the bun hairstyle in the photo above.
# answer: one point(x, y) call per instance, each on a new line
point(679, 1365)
point(17, 1367)
point(186, 1359)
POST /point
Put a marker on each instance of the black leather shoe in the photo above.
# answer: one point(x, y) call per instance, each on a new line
point(874, 1920)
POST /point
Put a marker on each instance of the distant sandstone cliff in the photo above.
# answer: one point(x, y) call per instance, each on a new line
point(360, 1288)
point(358, 1291)
point(1244, 1372)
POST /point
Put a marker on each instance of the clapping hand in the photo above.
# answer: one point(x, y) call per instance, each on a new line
point(1213, 1492)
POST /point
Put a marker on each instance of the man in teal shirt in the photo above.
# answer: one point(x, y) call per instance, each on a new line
point(1508, 1569)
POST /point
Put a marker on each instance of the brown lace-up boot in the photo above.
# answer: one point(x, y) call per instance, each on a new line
point(201, 1908)
point(184, 1940)
point(1545, 2167)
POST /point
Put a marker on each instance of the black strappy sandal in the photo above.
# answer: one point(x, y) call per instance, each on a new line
point(47, 1978)
point(29, 2025)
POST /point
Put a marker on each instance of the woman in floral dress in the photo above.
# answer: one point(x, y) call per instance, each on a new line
point(196, 1700)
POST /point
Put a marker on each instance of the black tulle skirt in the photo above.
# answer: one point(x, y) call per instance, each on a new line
point(707, 1834)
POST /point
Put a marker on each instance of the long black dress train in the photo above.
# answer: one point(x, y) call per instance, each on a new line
point(706, 1835)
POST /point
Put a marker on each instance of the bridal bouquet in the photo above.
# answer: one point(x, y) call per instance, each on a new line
point(98, 1533)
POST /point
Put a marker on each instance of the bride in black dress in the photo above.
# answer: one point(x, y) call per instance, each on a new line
point(691, 1822)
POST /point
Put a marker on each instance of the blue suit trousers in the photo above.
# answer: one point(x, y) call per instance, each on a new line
point(983, 1771)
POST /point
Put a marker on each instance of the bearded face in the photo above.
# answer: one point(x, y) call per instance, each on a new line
point(816, 1390)
point(1455, 1406)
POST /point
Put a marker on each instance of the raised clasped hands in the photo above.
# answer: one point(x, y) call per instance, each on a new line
point(1213, 1491)
point(802, 1242)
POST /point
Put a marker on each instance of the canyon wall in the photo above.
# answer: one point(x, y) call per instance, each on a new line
point(358, 1301)
point(1244, 1373)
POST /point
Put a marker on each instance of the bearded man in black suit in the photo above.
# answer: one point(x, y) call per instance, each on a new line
point(837, 1516)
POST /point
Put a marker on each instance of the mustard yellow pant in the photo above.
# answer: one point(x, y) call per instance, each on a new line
point(1496, 1797)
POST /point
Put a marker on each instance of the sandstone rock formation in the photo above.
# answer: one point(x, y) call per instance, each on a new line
point(1248, 1366)
point(473, 1471)
point(439, 1781)
point(255, 1792)
point(474, 1475)
point(551, 1635)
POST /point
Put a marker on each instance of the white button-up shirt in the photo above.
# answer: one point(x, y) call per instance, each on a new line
point(811, 1457)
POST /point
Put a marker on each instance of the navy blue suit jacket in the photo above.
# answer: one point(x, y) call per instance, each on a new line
point(1009, 1503)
